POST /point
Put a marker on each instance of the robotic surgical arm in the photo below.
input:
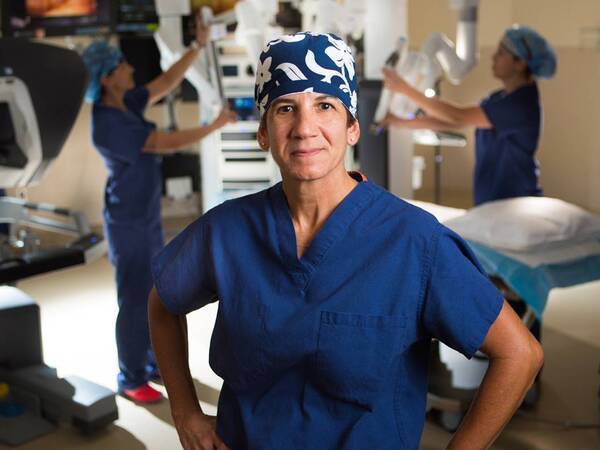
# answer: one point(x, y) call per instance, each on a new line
point(253, 30)
point(424, 68)
point(169, 40)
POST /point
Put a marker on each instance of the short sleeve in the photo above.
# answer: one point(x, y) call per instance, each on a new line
point(120, 136)
point(183, 273)
point(460, 301)
point(512, 112)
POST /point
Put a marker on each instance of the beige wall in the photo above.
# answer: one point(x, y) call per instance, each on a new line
point(569, 151)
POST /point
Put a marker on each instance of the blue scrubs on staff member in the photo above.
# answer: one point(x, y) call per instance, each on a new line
point(508, 122)
point(130, 147)
point(329, 289)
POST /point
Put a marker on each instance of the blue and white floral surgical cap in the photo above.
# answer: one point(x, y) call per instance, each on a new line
point(306, 62)
point(528, 44)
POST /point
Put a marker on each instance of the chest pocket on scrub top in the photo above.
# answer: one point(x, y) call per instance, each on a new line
point(355, 353)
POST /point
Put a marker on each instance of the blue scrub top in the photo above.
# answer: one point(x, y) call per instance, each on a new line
point(505, 164)
point(330, 350)
point(133, 188)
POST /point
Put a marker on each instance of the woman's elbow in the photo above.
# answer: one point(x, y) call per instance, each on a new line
point(156, 309)
point(536, 355)
point(457, 119)
point(163, 143)
point(531, 357)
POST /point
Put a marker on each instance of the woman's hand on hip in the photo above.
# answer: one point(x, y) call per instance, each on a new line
point(197, 431)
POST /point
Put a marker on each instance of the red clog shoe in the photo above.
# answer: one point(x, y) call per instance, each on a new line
point(144, 394)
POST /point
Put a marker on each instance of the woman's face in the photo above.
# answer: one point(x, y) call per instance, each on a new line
point(505, 65)
point(120, 78)
point(307, 134)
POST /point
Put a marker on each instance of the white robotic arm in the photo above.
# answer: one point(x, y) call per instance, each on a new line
point(345, 19)
point(254, 29)
point(423, 69)
point(456, 62)
point(169, 39)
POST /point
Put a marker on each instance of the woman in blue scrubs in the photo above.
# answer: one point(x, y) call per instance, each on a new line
point(131, 148)
point(329, 289)
point(508, 122)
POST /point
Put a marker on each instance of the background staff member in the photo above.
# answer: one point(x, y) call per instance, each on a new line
point(508, 122)
point(130, 147)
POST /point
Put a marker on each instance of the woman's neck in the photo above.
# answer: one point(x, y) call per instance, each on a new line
point(114, 99)
point(312, 202)
point(513, 83)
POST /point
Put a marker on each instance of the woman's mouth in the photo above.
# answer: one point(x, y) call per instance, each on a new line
point(304, 152)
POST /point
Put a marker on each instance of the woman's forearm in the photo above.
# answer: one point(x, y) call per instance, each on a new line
point(169, 80)
point(174, 75)
point(501, 392)
point(168, 334)
point(426, 123)
point(165, 142)
point(439, 109)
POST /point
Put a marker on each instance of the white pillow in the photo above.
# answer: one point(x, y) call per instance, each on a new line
point(525, 223)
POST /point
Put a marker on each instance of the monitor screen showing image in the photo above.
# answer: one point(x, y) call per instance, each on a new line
point(39, 18)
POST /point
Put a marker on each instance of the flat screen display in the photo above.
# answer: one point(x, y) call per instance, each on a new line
point(39, 18)
point(136, 16)
point(244, 107)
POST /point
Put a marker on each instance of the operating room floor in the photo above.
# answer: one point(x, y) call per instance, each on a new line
point(78, 310)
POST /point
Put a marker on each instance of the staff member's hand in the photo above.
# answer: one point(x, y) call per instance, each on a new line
point(392, 120)
point(202, 29)
point(197, 431)
point(393, 81)
point(225, 116)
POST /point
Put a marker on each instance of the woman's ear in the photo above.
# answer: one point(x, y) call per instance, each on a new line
point(104, 81)
point(353, 133)
point(262, 136)
point(521, 65)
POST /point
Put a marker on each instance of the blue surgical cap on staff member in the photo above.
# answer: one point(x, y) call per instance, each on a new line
point(100, 59)
point(306, 62)
point(529, 45)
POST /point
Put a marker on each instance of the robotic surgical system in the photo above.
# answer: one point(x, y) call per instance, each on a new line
point(232, 163)
point(387, 156)
point(41, 92)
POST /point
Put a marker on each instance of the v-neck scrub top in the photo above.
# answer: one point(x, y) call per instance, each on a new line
point(133, 189)
point(328, 351)
point(505, 164)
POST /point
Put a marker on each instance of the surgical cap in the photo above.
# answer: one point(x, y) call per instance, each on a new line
point(99, 59)
point(529, 45)
point(306, 62)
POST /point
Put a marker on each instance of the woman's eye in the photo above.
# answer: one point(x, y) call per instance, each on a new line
point(284, 109)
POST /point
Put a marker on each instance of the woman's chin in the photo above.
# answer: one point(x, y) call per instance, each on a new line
point(307, 173)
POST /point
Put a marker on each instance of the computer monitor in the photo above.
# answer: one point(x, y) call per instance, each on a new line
point(39, 18)
point(244, 107)
point(136, 17)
